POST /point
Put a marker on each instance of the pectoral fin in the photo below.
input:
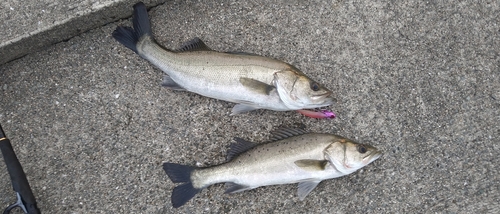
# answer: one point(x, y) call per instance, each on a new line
point(257, 86)
point(305, 188)
point(311, 165)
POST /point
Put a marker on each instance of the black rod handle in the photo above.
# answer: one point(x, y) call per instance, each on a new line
point(17, 175)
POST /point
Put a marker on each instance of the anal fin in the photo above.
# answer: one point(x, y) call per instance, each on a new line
point(242, 108)
point(305, 188)
point(234, 188)
point(171, 84)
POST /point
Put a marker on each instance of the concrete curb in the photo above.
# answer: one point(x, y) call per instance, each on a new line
point(88, 17)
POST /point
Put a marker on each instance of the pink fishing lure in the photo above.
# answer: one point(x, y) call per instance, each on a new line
point(318, 114)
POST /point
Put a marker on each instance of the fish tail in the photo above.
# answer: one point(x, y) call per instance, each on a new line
point(142, 27)
point(178, 173)
point(181, 174)
point(182, 194)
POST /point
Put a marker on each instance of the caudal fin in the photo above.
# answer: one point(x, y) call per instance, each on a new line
point(130, 36)
point(182, 194)
point(181, 174)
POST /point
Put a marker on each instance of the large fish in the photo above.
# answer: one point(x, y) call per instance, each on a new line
point(252, 81)
point(292, 156)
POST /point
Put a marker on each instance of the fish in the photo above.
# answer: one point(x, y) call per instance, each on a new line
point(293, 155)
point(251, 81)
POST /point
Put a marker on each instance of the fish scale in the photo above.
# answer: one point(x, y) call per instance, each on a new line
point(277, 158)
point(252, 81)
point(216, 75)
point(298, 157)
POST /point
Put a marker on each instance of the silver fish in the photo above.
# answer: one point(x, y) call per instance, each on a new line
point(293, 156)
point(252, 81)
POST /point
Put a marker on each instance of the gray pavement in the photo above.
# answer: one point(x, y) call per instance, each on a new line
point(419, 80)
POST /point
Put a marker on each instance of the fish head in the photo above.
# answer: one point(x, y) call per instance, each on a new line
point(348, 156)
point(297, 91)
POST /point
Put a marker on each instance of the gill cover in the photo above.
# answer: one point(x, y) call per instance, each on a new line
point(348, 156)
point(297, 91)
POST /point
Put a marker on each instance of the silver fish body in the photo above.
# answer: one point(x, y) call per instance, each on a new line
point(252, 81)
point(266, 164)
point(217, 75)
point(296, 157)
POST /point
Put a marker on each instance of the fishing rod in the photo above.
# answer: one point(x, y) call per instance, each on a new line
point(25, 198)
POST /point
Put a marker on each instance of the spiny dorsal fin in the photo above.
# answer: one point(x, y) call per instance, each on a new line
point(194, 45)
point(284, 132)
point(239, 147)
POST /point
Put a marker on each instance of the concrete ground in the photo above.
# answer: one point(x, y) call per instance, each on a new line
point(419, 80)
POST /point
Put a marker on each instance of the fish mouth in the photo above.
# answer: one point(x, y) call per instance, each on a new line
point(372, 157)
point(326, 94)
point(326, 97)
point(377, 155)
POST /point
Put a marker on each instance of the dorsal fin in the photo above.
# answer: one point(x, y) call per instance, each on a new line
point(239, 147)
point(194, 45)
point(285, 132)
point(242, 53)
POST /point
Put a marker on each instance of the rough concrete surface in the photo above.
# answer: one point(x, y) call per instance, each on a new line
point(419, 80)
point(28, 26)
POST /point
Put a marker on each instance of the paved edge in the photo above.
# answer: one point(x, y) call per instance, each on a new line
point(63, 30)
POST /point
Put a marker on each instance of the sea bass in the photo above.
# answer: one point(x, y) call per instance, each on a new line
point(292, 156)
point(252, 81)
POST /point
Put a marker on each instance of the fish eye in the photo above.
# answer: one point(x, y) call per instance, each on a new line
point(314, 86)
point(361, 149)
